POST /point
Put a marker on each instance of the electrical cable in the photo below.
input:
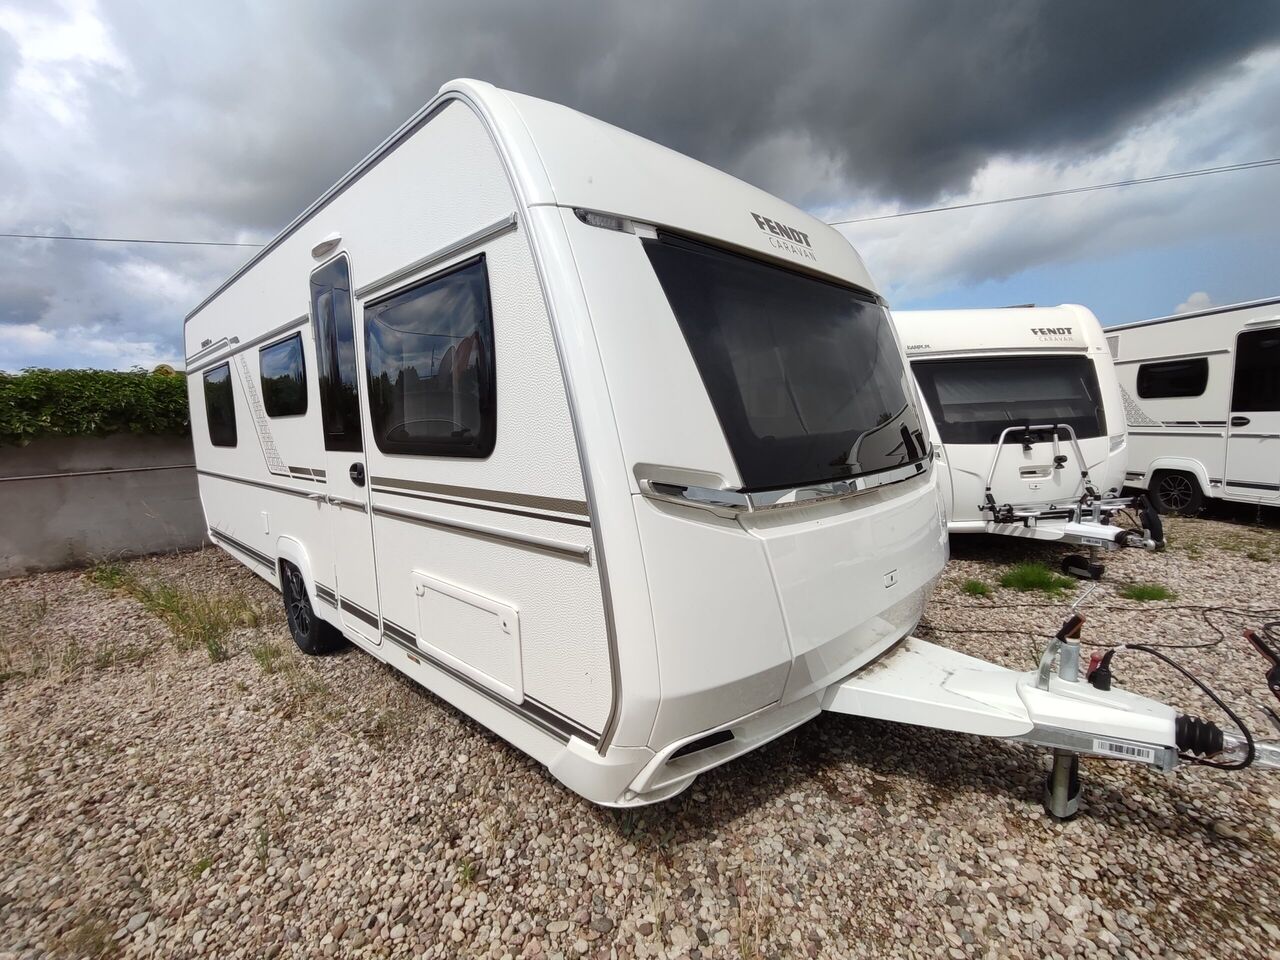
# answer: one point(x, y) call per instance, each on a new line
point(1180, 175)
point(1250, 752)
point(176, 243)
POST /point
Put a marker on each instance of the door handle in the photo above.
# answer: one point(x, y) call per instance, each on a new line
point(1239, 421)
point(356, 473)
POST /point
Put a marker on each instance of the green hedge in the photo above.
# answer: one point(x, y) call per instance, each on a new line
point(76, 403)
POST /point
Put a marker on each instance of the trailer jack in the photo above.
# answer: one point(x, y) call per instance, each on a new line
point(920, 683)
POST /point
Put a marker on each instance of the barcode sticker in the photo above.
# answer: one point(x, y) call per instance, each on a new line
point(1127, 750)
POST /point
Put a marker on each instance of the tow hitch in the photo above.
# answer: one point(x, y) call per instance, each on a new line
point(1053, 706)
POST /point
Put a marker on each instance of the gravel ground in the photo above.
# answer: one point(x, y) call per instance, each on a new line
point(173, 793)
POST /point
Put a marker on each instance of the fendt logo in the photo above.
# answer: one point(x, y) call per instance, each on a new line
point(1052, 333)
point(794, 241)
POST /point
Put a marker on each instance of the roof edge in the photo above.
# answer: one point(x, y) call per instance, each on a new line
point(1243, 305)
point(461, 89)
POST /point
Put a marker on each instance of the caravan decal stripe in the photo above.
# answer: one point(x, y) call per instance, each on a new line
point(578, 507)
point(554, 717)
point(327, 595)
point(577, 522)
point(1252, 485)
point(1172, 433)
point(359, 612)
point(244, 548)
point(257, 483)
point(572, 550)
point(536, 713)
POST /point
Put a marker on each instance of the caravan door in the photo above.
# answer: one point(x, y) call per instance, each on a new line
point(346, 501)
point(1253, 426)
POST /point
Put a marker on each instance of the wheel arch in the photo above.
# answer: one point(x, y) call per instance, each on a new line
point(1181, 465)
point(295, 552)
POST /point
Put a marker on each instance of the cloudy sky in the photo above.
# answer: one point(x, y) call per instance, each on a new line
point(221, 121)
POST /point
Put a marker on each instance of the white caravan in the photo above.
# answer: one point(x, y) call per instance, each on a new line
point(1025, 408)
point(613, 452)
point(1202, 397)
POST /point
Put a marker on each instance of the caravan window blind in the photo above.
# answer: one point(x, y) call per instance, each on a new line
point(973, 401)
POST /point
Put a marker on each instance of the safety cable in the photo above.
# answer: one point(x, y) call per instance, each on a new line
point(1240, 725)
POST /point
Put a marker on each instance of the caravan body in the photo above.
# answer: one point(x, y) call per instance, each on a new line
point(1202, 396)
point(511, 405)
point(985, 376)
point(615, 453)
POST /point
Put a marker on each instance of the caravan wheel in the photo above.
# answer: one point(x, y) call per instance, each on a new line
point(1173, 491)
point(311, 634)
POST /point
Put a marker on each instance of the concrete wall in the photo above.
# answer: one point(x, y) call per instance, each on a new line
point(70, 501)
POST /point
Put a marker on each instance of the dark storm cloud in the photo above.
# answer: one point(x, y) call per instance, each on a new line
point(897, 99)
point(222, 121)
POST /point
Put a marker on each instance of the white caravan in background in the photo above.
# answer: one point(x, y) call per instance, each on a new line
point(615, 453)
point(1024, 404)
point(1202, 396)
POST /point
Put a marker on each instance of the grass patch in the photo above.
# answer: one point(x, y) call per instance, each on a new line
point(975, 588)
point(109, 576)
point(198, 620)
point(1142, 592)
point(467, 872)
point(200, 866)
point(91, 937)
point(267, 655)
point(1026, 577)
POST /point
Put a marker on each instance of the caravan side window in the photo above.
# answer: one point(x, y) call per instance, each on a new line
point(284, 377)
point(336, 356)
point(1257, 382)
point(220, 406)
point(431, 366)
point(1173, 378)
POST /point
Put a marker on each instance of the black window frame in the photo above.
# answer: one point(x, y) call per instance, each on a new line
point(482, 442)
point(1259, 390)
point(340, 426)
point(1158, 379)
point(218, 431)
point(270, 397)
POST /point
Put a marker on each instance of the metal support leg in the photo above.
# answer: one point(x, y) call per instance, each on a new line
point(1062, 788)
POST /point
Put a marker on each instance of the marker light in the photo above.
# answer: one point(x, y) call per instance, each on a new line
point(605, 221)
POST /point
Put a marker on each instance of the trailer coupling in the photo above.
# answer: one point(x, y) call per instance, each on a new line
point(1053, 706)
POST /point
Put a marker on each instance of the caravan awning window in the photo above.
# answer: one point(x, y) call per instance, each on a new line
point(974, 400)
point(804, 374)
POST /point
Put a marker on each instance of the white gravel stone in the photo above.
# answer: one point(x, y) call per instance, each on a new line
point(158, 804)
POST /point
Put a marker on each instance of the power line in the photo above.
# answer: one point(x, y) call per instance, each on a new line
point(1183, 175)
point(176, 243)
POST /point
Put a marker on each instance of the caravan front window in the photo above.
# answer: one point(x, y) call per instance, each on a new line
point(804, 374)
point(974, 400)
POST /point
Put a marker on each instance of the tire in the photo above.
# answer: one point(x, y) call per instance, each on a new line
point(1176, 492)
point(312, 635)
